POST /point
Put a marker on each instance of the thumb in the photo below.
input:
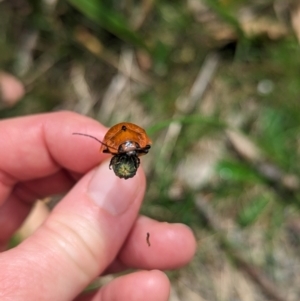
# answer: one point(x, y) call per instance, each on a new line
point(77, 242)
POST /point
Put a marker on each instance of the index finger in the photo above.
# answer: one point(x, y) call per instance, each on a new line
point(39, 146)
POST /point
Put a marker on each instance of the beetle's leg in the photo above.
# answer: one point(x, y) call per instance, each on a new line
point(136, 162)
point(144, 150)
point(111, 162)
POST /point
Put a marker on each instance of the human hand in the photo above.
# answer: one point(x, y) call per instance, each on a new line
point(94, 230)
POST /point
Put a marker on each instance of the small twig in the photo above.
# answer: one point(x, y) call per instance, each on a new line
point(85, 99)
point(148, 239)
point(95, 46)
point(41, 67)
point(186, 104)
point(284, 184)
point(147, 6)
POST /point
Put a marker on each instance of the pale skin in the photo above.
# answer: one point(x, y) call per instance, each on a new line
point(95, 229)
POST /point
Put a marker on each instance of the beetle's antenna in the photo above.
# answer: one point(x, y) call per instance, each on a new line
point(89, 136)
point(92, 138)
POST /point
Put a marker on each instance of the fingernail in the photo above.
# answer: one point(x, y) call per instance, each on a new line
point(112, 194)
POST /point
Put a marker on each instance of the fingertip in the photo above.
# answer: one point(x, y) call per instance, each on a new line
point(187, 237)
point(143, 285)
point(168, 246)
point(158, 283)
point(181, 242)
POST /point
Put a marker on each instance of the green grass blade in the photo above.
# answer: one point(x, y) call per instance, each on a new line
point(252, 212)
point(113, 22)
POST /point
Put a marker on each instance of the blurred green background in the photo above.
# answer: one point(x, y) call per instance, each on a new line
point(216, 84)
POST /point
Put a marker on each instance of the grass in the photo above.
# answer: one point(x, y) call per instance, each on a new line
point(254, 90)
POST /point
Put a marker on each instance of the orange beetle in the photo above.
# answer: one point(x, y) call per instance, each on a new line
point(126, 142)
